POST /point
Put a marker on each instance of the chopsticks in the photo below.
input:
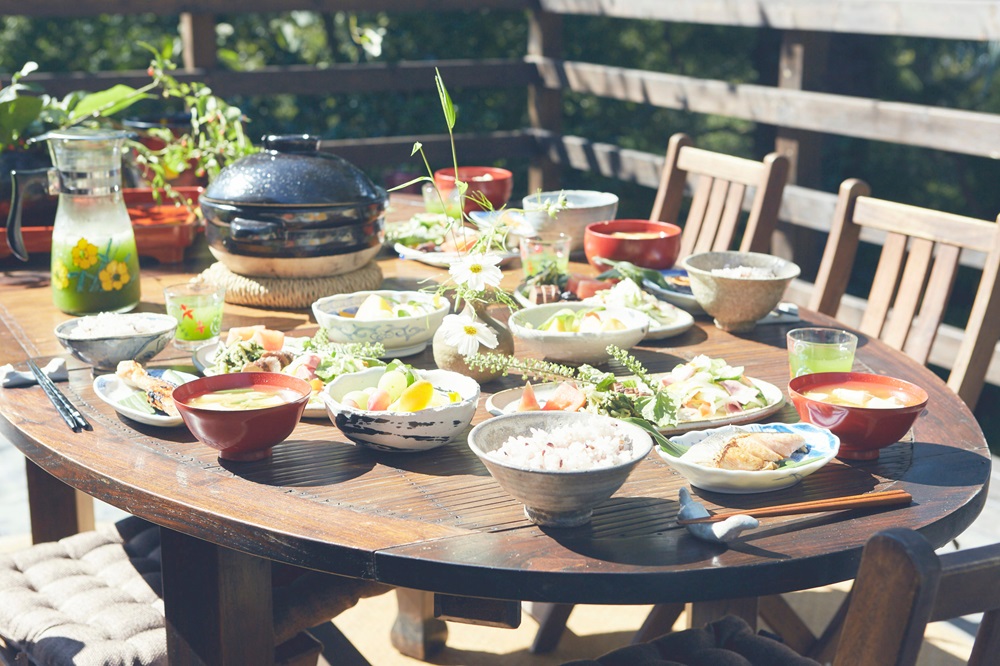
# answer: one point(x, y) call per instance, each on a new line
point(70, 414)
point(866, 501)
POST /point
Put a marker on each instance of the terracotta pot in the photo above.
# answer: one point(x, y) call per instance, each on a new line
point(447, 357)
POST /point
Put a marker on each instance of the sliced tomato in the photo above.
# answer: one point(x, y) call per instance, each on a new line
point(566, 398)
point(528, 403)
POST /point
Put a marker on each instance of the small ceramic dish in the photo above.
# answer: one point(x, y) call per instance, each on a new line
point(575, 347)
point(112, 390)
point(821, 447)
point(678, 294)
point(402, 431)
point(565, 497)
point(401, 336)
point(105, 352)
point(442, 259)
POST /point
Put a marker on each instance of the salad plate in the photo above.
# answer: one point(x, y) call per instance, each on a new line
point(505, 402)
point(204, 359)
point(442, 259)
point(113, 390)
point(677, 293)
point(820, 448)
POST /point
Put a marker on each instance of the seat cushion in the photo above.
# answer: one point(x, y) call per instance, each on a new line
point(90, 599)
point(726, 642)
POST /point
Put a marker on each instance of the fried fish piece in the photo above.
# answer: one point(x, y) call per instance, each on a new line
point(750, 451)
point(158, 393)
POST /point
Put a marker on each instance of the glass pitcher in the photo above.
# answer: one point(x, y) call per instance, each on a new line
point(95, 266)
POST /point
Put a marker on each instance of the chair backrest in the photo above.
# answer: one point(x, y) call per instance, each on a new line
point(914, 279)
point(713, 218)
point(902, 585)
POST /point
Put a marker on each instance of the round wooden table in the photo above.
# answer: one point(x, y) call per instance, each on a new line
point(436, 521)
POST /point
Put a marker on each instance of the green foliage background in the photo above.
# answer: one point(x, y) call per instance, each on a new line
point(952, 74)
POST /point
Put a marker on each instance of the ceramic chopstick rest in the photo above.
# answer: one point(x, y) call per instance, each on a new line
point(11, 378)
point(720, 532)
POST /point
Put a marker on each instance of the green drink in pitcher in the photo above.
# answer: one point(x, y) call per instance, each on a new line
point(88, 278)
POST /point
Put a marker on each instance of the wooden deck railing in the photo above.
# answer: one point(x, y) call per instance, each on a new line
point(800, 114)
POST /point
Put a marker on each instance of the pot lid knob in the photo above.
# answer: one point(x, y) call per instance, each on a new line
point(291, 143)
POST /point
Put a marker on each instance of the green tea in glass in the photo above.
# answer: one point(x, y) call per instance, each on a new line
point(813, 350)
point(197, 307)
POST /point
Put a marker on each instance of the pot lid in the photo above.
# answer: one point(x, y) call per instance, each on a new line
point(291, 171)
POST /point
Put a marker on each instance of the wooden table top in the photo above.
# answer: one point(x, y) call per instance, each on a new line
point(437, 521)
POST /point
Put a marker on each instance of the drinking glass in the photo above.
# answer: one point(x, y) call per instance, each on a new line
point(812, 350)
point(197, 307)
point(540, 252)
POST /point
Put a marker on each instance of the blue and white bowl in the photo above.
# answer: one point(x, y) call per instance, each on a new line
point(821, 447)
point(401, 336)
point(402, 431)
point(105, 351)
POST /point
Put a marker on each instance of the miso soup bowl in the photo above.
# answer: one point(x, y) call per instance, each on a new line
point(863, 431)
point(645, 243)
point(246, 434)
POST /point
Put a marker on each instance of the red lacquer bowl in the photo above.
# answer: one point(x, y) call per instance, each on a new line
point(646, 244)
point(496, 184)
point(862, 430)
point(245, 434)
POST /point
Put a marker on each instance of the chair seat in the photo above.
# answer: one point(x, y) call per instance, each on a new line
point(92, 598)
point(726, 642)
point(95, 599)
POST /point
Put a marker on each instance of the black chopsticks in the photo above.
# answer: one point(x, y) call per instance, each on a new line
point(70, 414)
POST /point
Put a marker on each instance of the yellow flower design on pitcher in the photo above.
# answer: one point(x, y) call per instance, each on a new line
point(114, 276)
point(84, 254)
point(60, 275)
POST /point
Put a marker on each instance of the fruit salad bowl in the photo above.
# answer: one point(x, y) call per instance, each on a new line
point(570, 333)
point(396, 408)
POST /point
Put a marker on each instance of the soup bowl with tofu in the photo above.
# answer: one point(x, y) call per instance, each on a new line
point(243, 414)
point(867, 412)
point(645, 243)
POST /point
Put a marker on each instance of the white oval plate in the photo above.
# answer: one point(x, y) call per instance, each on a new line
point(111, 389)
point(204, 358)
point(505, 402)
point(441, 259)
point(657, 331)
point(821, 447)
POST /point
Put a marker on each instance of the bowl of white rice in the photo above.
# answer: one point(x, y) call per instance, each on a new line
point(738, 288)
point(105, 339)
point(560, 465)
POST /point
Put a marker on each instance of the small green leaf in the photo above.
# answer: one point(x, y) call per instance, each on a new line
point(446, 105)
point(416, 148)
point(107, 102)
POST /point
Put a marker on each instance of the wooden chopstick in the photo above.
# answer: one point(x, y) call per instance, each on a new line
point(894, 497)
point(70, 414)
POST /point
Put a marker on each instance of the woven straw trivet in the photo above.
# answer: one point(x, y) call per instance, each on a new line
point(289, 292)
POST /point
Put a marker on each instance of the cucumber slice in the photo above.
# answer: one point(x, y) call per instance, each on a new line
point(137, 402)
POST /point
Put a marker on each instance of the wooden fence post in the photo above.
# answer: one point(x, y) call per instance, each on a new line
point(198, 40)
point(544, 105)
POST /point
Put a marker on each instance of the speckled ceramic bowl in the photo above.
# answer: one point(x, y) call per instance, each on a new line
point(402, 431)
point(582, 207)
point(106, 351)
point(738, 303)
point(401, 336)
point(574, 348)
point(557, 498)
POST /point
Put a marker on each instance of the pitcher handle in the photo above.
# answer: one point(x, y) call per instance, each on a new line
point(20, 181)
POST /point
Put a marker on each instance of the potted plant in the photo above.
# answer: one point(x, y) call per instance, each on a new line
point(212, 137)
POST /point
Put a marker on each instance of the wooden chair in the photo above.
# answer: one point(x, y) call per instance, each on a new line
point(914, 279)
point(902, 585)
point(713, 219)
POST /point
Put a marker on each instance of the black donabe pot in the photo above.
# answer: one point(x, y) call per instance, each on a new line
point(292, 211)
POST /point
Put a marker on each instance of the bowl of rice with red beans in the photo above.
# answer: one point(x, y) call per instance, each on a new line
point(560, 465)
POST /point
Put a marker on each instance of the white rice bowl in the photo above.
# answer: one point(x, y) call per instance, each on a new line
point(560, 465)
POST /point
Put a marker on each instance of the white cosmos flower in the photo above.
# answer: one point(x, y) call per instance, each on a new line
point(477, 271)
point(466, 333)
